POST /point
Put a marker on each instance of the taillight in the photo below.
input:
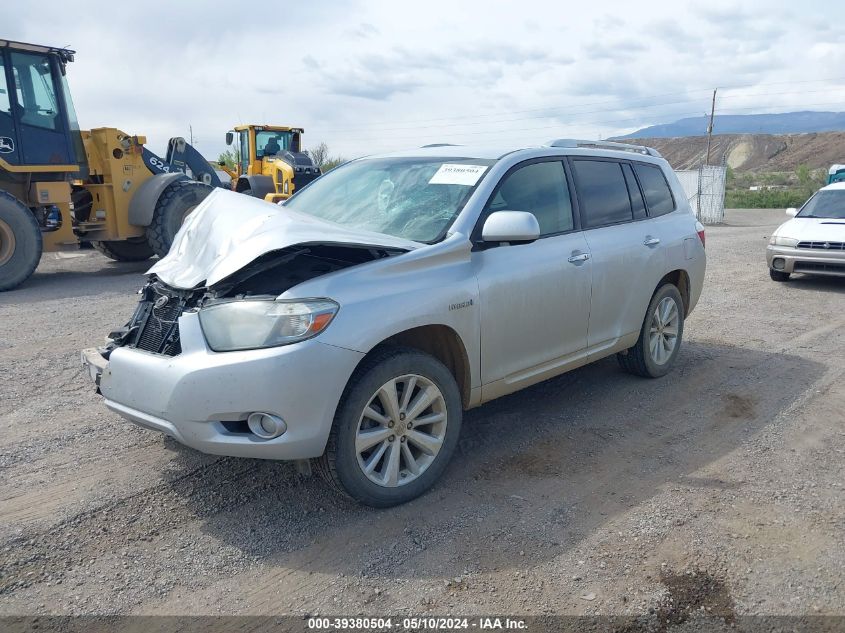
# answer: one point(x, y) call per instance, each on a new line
point(699, 228)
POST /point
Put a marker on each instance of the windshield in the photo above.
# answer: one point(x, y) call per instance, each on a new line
point(269, 143)
point(825, 204)
point(412, 198)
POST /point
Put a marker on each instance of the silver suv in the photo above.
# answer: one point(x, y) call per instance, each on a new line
point(355, 323)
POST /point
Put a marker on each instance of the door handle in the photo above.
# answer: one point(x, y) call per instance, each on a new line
point(651, 241)
point(576, 259)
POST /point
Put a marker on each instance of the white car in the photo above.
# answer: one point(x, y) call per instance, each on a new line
point(813, 241)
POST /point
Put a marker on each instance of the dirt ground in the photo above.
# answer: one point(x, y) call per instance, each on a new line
point(720, 486)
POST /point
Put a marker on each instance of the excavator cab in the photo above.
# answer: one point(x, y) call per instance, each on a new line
point(271, 163)
point(60, 186)
point(38, 124)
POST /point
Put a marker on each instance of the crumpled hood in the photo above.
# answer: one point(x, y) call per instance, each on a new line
point(229, 230)
point(813, 229)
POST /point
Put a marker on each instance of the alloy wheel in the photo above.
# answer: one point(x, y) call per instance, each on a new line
point(663, 331)
point(401, 430)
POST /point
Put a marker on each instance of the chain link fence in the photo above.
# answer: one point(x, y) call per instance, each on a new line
point(705, 189)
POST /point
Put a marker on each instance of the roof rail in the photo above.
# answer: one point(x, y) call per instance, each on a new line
point(622, 147)
point(439, 145)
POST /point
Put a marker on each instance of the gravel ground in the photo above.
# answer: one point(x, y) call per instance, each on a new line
point(720, 487)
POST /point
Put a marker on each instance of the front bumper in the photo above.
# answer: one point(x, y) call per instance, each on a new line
point(807, 260)
point(191, 395)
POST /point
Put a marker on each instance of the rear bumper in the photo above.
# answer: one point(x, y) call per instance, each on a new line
point(806, 260)
point(190, 396)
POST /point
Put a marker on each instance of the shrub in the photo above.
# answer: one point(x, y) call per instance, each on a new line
point(766, 198)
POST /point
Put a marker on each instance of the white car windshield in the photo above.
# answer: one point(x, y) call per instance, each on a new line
point(412, 198)
point(825, 204)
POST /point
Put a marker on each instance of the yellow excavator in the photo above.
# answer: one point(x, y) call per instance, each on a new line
point(60, 186)
point(270, 161)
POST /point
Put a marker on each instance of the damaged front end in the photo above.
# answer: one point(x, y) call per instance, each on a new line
point(154, 325)
point(236, 248)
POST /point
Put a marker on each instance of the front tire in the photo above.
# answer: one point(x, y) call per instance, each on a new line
point(778, 275)
point(660, 336)
point(395, 429)
point(20, 242)
point(135, 249)
point(176, 202)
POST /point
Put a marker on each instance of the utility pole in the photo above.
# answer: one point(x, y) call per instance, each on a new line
point(710, 127)
point(191, 131)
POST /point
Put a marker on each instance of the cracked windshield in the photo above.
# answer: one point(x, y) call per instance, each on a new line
point(412, 198)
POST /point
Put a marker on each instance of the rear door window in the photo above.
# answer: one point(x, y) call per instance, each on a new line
point(602, 193)
point(658, 196)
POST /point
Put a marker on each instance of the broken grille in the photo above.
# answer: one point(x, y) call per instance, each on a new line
point(158, 329)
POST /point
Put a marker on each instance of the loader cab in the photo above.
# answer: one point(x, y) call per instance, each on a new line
point(255, 143)
point(38, 126)
point(271, 164)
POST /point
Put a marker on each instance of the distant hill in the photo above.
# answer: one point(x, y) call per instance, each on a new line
point(753, 152)
point(783, 123)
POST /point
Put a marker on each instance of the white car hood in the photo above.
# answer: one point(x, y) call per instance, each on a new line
point(813, 229)
point(229, 230)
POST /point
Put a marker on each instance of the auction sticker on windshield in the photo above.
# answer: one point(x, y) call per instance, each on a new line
point(453, 174)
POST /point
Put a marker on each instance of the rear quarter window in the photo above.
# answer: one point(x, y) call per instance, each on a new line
point(656, 190)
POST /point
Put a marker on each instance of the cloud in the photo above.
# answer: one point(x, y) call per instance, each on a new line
point(363, 31)
point(613, 50)
point(372, 76)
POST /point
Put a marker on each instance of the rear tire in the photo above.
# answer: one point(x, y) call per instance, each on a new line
point(20, 242)
point(778, 275)
point(176, 202)
point(660, 336)
point(135, 249)
point(435, 426)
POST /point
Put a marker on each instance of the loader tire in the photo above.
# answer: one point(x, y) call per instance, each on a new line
point(178, 200)
point(20, 242)
point(135, 249)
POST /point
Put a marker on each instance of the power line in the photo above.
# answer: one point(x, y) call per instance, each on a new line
point(625, 108)
point(606, 101)
point(449, 135)
point(508, 135)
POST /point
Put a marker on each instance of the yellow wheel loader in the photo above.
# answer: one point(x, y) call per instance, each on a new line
point(60, 186)
point(270, 161)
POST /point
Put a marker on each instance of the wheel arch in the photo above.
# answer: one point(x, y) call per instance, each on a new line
point(260, 185)
point(441, 342)
point(680, 279)
point(143, 203)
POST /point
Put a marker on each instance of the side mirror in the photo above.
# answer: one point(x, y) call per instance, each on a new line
point(510, 226)
point(792, 212)
point(230, 138)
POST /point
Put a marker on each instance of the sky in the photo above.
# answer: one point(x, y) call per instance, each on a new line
point(372, 76)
